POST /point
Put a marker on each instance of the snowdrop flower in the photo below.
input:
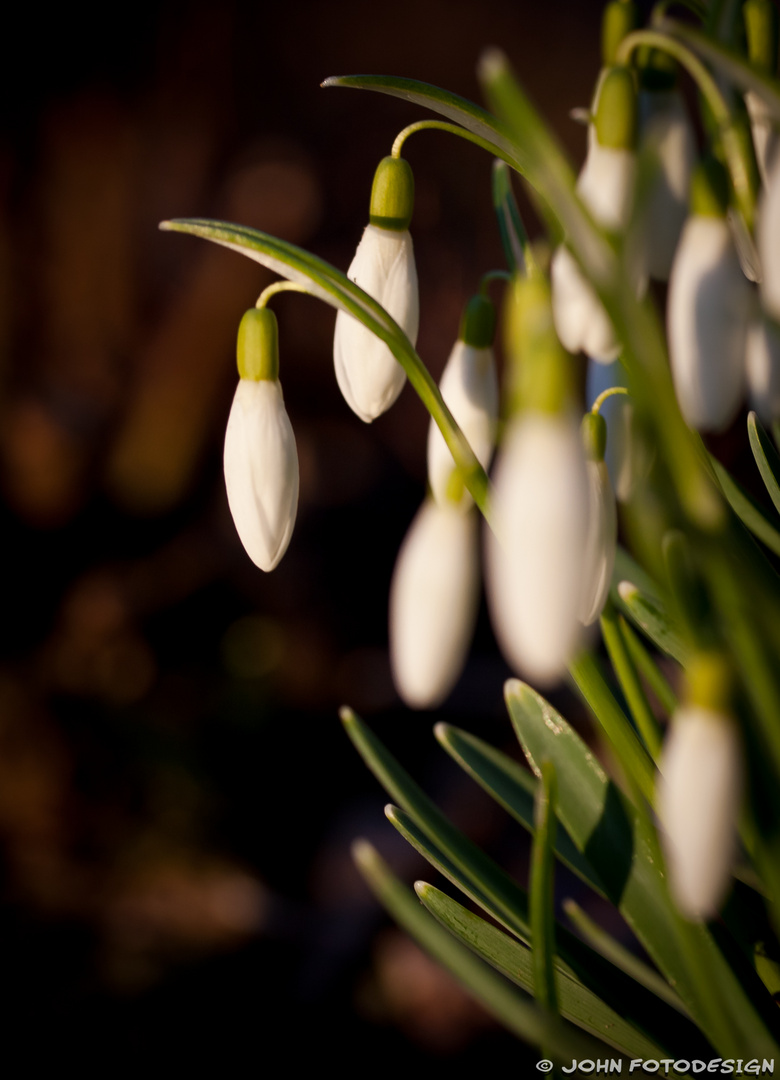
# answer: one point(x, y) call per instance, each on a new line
point(606, 186)
point(699, 792)
point(433, 603)
point(369, 376)
point(470, 390)
point(601, 538)
point(261, 461)
point(762, 368)
point(708, 309)
point(666, 133)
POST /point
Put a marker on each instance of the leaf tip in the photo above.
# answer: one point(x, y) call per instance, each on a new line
point(423, 889)
point(332, 80)
point(365, 855)
point(492, 64)
point(627, 590)
point(347, 716)
point(165, 226)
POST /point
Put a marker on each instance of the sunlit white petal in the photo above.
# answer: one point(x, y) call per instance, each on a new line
point(708, 310)
point(764, 132)
point(470, 390)
point(534, 568)
point(762, 368)
point(369, 376)
point(261, 471)
point(433, 603)
point(768, 233)
point(698, 802)
point(580, 320)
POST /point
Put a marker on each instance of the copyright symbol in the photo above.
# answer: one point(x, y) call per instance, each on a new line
point(544, 1065)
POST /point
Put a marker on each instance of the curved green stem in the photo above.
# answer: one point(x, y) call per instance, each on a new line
point(438, 125)
point(608, 393)
point(277, 287)
point(738, 166)
point(492, 275)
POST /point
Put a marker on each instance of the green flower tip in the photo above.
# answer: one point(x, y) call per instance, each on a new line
point(709, 189)
point(761, 31)
point(616, 121)
point(478, 324)
point(619, 19)
point(541, 368)
point(594, 436)
point(257, 348)
point(392, 194)
point(710, 682)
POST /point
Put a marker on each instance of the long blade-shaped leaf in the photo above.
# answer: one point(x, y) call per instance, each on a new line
point(581, 964)
point(733, 1011)
point(512, 959)
point(513, 235)
point(767, 458)
point(748, 510)
point(513, 788)
point(648, 613)
point(514, 1010)
point(542, 890)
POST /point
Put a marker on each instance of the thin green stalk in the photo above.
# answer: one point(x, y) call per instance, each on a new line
point(278, 287)
point(629, 681)
point(739, 168)
point(542, 891)
point(647, 667)
point(438, 125)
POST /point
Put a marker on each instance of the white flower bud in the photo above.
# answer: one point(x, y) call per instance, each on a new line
point(707, 316)
point(606, 186)
point(698, 801)
point(470, 390)
point(369, 376)
point(667, 134)
point(762, 368)
point(261, 470)
point(433, 603)
point(534, 561)
point(600, 544)
point(762, 126)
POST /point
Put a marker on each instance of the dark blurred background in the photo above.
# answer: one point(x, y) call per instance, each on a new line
point(177, 798)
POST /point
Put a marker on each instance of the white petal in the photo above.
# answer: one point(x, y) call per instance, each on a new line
point(600, 544)
point(580, 320)
point(762, 367)
point(369, 376)
point(261, 471)
point(768, 232)
point(606, 184)
point(534, 565)
point(433, 603)
point(707, 316)
point(698, 801)
point(667, 134)
point(470, 389)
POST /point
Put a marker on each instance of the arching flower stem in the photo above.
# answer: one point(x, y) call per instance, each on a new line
point(438, 125)
point(742, 175)
point(596, 406)
point(280, 286)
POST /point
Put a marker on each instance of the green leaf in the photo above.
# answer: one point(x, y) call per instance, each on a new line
point(748, 510)
point(513, 235)
point(513, 787)
point(513, 1010)
point(649, 669)
point(641, 1008)
point(333, 287)
point(731, 1009)
point(630, 683)
point(629, 751)
point(578, 1004)
point(651, 616)
point(766, 457)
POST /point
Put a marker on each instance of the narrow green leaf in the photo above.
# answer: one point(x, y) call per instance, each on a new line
point(767, 458)
point(512, 959)
point(651, 616)
point(748, 510)
point(656, 679)
point(543, 891)
point(578, 961)
point(628, 677)
point(612, 950)
point(513, 787)
point(333, 287)
point(731, 1009)
point(630, 752)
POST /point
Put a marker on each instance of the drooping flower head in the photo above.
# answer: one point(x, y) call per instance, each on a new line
point(369, 376)
point(708, 308)
point(469, 387)
point(260, 457)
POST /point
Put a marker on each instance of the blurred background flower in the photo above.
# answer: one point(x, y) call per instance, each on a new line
point(176, 796)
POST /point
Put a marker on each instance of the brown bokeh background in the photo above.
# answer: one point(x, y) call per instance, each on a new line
point(176, 795)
